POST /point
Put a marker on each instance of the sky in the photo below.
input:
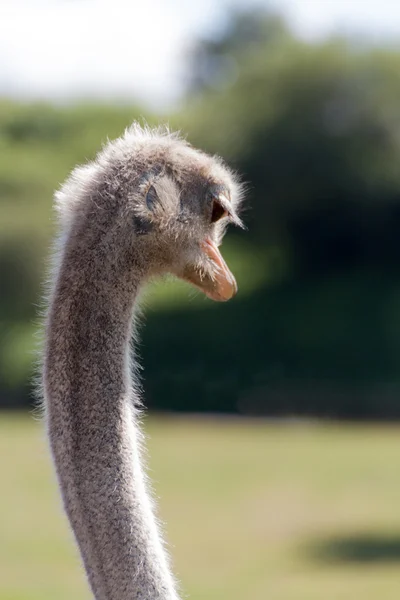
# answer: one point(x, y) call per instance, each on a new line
point(130, 49)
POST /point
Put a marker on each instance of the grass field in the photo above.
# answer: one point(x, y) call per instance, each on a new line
point(254, 510)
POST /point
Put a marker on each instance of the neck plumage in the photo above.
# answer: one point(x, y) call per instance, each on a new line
point(94, 434)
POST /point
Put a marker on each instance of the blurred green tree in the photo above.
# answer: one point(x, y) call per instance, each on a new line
point(315, 130)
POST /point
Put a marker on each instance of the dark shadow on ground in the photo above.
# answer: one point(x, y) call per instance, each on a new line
point(361, 548)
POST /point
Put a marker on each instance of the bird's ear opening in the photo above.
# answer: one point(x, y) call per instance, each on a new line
point(144, 219)
point(152, 198)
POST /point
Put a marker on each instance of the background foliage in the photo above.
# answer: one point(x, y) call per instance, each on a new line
point(315, 131)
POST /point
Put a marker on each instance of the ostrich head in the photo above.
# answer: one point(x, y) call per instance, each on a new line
point(152, 191)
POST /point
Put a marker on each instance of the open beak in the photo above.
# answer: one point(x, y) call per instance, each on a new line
point(219, 286)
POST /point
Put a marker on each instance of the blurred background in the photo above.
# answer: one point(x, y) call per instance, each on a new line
point(271, 427)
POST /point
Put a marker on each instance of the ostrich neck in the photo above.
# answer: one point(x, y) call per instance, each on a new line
point(93, 431)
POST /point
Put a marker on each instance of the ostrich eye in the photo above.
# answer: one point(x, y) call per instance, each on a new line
point(218, 211)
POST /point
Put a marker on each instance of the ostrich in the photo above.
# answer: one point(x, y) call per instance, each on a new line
point(149, 204)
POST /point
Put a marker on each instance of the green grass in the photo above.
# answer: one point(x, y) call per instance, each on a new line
point(253, 510)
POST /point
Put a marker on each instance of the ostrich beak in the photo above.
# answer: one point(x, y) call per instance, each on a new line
point(225, 283)
point(221, 284)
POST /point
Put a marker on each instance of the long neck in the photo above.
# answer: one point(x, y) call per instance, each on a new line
point(94, 434)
